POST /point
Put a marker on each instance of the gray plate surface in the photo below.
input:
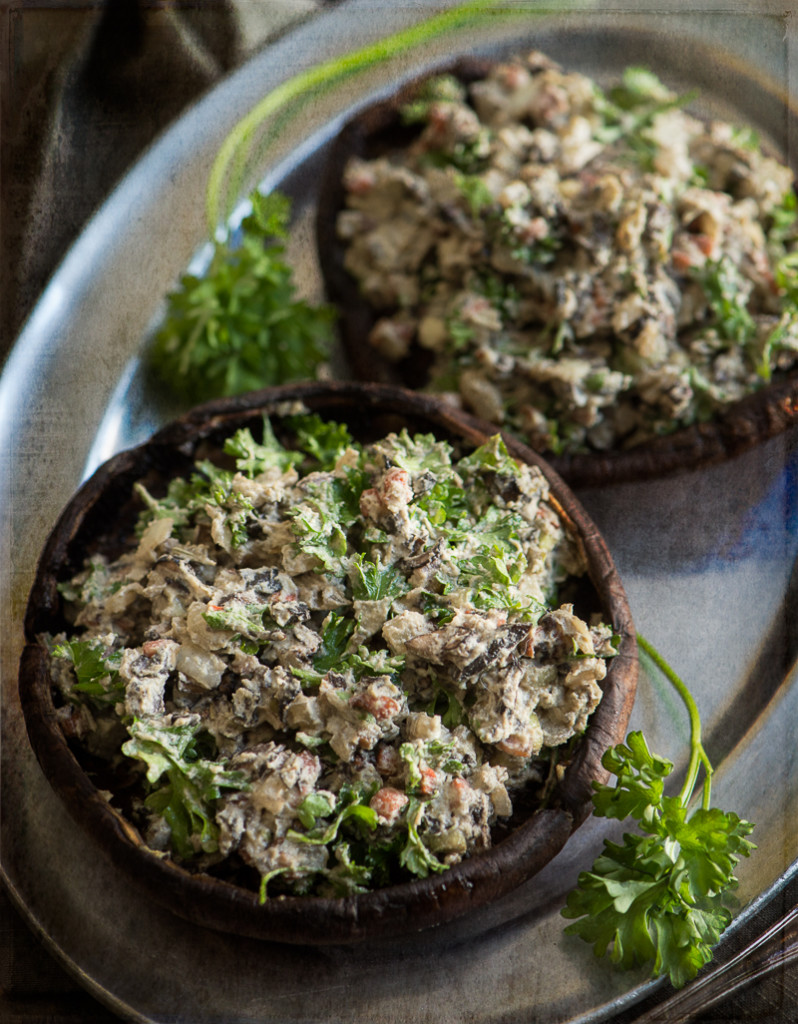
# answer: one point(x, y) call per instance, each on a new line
point(706, 558)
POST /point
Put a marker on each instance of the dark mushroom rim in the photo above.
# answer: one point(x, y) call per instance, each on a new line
point(377, 129)
point(369, 409)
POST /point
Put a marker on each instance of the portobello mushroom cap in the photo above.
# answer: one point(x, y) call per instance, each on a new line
point(101, 516)
point(378, 130)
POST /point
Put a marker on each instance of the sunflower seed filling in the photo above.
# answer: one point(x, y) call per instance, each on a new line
point(588, 269)
point(332, 667)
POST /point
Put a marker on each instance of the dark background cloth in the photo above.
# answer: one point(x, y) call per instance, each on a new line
point(84, 88)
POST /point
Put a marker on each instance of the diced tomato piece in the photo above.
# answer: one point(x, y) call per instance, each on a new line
point(388, 803)
point(379, 705)
point(429, 781)
point(516, 745)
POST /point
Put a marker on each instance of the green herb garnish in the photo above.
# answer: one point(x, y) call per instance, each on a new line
point(415, 856)
point(239, 326)
point(243, 620)
point(658, 897)
point(351, 806)
point(629, 109)
point(188, 499)
point(721, 283)
point(334, 638)
point(253, 457)
point(372, 582)
point(96, 669)
point(323, 440)
point(193, 784)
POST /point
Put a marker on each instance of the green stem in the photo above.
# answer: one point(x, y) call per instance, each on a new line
point(235, 146)
point(264, 882)
point(698, 755)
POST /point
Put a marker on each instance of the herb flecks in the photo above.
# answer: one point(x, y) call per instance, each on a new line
point(297, 650)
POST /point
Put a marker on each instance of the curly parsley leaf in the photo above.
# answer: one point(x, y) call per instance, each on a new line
point(351, 806)
point(414, 855)
point(640, 87)
point(96, 669)
point(783, 222)
point(640, 776)
point(417, 454)
point(187, 498)
point(490, 568)
point(438, 89)
point(629, 110)
point(320, 522)
point(445, 502)
point(499, 528)
point(658, 897)
point(429, 754)
point(476, 193)
point(193, 784)
point(491, 457)
point(497, 563)
point(324, 440)
point(319, 534)
point(447, 705)
point(362, 662)
point(245, 621)
point(348, 877)
point(721, 282)
point(334, 638)
point(253, 457)
point(340, 495)
point(239, 327)
point(650, 899)
point(783, 338)
point(373, 582)
point(93, 584)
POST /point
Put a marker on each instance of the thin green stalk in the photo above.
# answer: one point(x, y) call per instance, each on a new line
point(235, 148)
point(698, 756)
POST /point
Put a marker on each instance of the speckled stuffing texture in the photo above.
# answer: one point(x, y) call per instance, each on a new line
point(335, 667)
point(590, 269)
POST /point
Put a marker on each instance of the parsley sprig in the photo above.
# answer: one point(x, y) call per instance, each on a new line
point(658, 896)
point(185, 785)
point(239, 326)
point(96, 669)
point(373, 582)
point(186, 500)
point(256, 457)
point(316, 809)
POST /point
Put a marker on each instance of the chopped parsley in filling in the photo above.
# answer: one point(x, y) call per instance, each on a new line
point(329, 669)
point(588, 269)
